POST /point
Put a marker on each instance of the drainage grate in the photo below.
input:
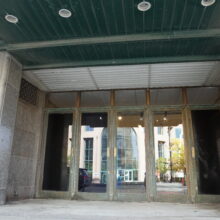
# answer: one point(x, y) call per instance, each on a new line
point(28, 92)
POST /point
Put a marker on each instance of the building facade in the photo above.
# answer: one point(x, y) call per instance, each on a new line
point(110, 100)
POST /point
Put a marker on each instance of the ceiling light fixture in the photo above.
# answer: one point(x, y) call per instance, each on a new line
point(165, 116)
point(141, 117)
point(207, 3)
point(120, 118)
point(144, 6)
point(65, 13)
point(11, 18)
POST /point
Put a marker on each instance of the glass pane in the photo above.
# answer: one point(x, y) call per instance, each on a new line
point(166, 96)
point(58, 152)
point(169, 153)
point(95, 99)
point(130, 153)
point(130, 97)
point(205, 95)
point(206, 126)
point(61, 100)
point(93, 153)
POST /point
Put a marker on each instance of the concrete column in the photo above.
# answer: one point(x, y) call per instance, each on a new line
point(150, 155)
point(112, 150)
point(191, 172)
point(112, 155)
point(10, 77)
point(76, 141)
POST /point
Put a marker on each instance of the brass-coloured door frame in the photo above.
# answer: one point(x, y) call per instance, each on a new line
point(151, 195)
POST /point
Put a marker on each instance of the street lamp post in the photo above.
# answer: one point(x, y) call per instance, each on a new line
point(170, 146)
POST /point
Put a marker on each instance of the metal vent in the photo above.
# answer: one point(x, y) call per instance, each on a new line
point(28, 92)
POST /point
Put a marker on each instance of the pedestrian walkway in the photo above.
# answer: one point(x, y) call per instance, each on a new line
point(95, 210)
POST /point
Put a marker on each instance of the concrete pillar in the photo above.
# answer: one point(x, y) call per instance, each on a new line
point(10, 77)
point(150, 155)
point(191, 172)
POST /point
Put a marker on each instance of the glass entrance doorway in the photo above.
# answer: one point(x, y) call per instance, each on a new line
point(130, 159)
point(126, 175)
point(170, 165)
point(93, 159)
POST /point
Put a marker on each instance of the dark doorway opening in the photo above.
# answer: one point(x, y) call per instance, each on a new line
point(58, 152)
point(206, 126)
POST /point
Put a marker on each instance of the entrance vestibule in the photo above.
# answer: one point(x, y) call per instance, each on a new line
point(139, 151)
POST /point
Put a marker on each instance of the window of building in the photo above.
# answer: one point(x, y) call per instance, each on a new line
point(104, 156)
point(88, 128)
point(160, 149)
point(88, 155)
point(160, 130)
point(178, 133)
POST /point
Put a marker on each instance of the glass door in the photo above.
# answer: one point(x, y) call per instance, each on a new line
point(93, 158)
point(130, 155)
point(170, 163)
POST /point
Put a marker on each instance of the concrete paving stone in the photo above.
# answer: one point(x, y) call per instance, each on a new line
point(97, 210)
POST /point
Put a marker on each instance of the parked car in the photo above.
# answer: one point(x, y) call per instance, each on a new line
point(84, 179)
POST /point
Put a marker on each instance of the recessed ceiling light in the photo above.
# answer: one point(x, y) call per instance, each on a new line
point(144, 6)
point(120, 118)
point(65, 13)
point(165, 118)
point(207, 2)
point(11, 19)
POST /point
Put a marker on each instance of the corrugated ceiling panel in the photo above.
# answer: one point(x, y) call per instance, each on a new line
point(133, 76)
point(180, 74)
point(130, 76)
point(66, 79)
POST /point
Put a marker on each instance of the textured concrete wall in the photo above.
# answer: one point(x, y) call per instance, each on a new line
point(25, 149)
point(10, 77)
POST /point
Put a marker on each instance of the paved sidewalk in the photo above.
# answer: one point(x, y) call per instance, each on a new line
point(93, 210)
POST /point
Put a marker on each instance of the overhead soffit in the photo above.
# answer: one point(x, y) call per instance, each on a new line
point(171, 31)
point(129, 76)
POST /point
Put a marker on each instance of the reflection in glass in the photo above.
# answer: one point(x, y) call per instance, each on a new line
point(169, 153)
point(61, 100)
point(93, 153)
point(130, 97)
point(130, 153)
point(203, 95)
point(95, 98)
point(171, 96)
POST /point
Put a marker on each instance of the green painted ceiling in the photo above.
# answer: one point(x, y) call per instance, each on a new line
point(39, 21)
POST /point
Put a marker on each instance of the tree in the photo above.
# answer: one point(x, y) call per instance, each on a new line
point(177, 160)
point(162, 166)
